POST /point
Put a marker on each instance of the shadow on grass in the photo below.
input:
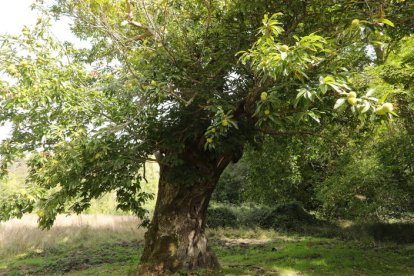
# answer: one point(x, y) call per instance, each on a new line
point(293, 218)
point(321, 249)
point(314, 256)
point(75, 257)
point(401, 233)
point(296, 255)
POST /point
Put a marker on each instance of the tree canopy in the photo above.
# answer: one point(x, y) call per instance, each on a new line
point(341, 169)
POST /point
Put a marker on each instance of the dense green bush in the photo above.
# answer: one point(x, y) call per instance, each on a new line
point(221, 217)
point(292, 218)
point(288, 216)
point(394, 232)
point(252, 215)
point(284, 169)
point(373, 181)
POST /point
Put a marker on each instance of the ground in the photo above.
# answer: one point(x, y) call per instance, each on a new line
point(111, 245)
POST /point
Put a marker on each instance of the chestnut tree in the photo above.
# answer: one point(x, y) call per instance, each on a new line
point(187, 83)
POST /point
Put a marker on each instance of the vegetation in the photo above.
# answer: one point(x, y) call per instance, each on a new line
point(338, 172)
point(103, 245)
point(306, 91)
point(90, 244)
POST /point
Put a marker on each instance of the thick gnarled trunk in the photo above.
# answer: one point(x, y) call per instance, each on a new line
point(176, 240)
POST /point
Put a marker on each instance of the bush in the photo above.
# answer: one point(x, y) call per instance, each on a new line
point(385, 232)
point(253, 216)
point(221, 217)
point(294, 218)
point(289, 216)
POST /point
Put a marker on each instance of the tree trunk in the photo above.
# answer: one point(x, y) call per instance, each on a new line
point(176, 240)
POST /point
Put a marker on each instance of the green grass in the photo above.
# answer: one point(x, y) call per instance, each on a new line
point(75, 244)
point(316, 256)
point(102, 258)
point(113, 247)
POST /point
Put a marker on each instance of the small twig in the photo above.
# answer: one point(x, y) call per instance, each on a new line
point(144, 175)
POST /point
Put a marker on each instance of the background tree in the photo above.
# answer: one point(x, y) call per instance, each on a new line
point(374, 177)
point(191, 82)
point(342, 169)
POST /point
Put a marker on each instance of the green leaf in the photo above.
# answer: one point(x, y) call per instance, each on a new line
point(336, 88)
point(383, 98)
point(339, 102)
point(314, 117)
point(366, 107)
point(370, 92)
point(323, 88)
point(388, 22)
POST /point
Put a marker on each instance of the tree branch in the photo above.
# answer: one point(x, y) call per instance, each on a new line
point(297, 20)
point(130, 19)
point(289, 133)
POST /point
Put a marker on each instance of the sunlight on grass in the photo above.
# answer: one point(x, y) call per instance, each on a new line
point(249, 233)
point(21, 235)
point(111, 245)
point(321, 262)
point(289, 272)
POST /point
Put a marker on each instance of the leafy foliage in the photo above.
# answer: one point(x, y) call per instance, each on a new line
point(344, 168)
point(375, 179)
point(221, 217)
point(231, 186)
point(190, 81)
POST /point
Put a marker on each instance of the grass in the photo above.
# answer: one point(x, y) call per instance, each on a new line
point(297, 255)
point(75, 244)
point(111, 245)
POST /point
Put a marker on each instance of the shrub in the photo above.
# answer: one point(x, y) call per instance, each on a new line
point(289, 216)
point(253, 216)
point(221, 217)
point(385, 232)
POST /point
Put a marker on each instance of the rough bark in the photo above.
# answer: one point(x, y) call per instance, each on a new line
point(176, 240)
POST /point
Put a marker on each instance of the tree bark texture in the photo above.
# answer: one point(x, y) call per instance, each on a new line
point(176, 240)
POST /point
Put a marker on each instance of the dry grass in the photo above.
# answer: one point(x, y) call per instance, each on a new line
point(18, 236)
point(112, 245)
point(254, 235)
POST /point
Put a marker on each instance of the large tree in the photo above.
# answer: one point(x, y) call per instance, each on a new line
point(190, 82)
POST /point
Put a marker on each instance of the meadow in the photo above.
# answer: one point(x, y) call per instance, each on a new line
point(106, 241)
point(112, 244)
